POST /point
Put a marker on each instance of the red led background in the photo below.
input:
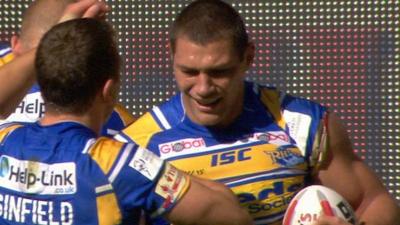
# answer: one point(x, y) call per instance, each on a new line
point(344, 54)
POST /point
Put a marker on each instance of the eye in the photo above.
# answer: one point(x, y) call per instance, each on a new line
point(221, 72)
point(190, 72)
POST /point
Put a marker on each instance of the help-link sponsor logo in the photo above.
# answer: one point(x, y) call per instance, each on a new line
point(37, 178)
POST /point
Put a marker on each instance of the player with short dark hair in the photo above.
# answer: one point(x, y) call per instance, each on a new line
point(262, 143)
point(57, 170)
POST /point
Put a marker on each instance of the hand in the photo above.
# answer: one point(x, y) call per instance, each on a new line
point(84, 9)
point(331, 220)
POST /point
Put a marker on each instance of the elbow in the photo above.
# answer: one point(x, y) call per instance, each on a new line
point(4, 112)
point(244, 218)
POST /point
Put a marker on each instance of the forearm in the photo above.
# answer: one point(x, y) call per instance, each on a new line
point(381, 210)
point(218, 187)
point(204, 205)
point(16, 79)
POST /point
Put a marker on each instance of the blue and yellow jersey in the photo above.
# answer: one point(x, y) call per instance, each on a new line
point(31, 108)
point(62, 174)
point(265, 156)
point(5, 54)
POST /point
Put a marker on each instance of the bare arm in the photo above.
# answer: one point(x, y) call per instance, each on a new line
point(19, 75)
point(349, 176)
point(203, 205)
point(16, 79)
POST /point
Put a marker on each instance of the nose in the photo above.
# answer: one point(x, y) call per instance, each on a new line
point(204, 84)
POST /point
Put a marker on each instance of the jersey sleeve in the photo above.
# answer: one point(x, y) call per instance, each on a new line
point(6, 129)
point(141, 179)
point(140, 131)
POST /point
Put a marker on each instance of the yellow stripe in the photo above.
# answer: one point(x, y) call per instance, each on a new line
point(105, 151)
point(271, 99)
point(6, 59)
point(142, 129)
point(108, 212)
point(126, 117)
point(4, 132)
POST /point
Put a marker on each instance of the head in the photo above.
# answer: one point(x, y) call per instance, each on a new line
point(40, 16)
point(77, 65)
point(211, 53)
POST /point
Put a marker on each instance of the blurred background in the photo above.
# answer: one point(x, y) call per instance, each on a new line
point(343, 54)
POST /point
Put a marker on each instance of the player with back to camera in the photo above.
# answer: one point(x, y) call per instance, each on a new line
point(262, 143)
point(19, 94)
point(56, 170)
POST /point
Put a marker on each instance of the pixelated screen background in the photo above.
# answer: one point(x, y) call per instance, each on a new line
point(343, 54)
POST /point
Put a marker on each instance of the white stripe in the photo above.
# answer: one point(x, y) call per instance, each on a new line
point(103, 188)
point(161, 118)
point(5, 50)
point(120, 138)
point(158, 212)
point(112, 132)
point(288, 172)
point(206, 150)
point(88, 144)
point(127, 150)
point(183, 107)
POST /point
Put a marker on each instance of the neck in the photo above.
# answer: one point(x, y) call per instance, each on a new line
point(87, 119)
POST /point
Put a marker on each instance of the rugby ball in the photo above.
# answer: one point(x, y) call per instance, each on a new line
point(315, 200)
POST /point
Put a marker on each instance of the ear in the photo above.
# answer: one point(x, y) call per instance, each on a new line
point(110, 91)
point(171, 54)
point(15, 45)
point(249, 54)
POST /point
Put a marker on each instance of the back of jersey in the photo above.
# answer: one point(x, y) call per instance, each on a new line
point(45, 178)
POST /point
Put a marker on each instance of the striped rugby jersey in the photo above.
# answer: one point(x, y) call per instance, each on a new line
point(32, 107)
point(265, 156)
point(61, 174)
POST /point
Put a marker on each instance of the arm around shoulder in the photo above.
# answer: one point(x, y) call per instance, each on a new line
point(354, 180)
point(202, 204)
point(16, 78)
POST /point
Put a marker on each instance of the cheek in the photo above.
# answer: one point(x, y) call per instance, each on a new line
point(183, 83)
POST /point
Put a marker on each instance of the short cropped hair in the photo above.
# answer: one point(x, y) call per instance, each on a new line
point(206, 21)
point(73, 61)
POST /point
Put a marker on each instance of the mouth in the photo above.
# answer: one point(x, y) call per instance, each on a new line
point(207, 105)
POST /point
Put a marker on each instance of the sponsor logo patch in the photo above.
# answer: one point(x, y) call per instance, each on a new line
point(181, 145)
point(37, 178)
point(171, 185)
point(298, 125)
point(146, 162)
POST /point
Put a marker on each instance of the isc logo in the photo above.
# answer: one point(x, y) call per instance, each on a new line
point(229, 157)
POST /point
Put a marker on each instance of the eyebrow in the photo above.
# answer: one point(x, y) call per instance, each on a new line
point(225, 66)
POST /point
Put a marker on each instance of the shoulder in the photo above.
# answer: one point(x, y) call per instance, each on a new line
point(118, 120)
point(160, 118)
point(7, 128)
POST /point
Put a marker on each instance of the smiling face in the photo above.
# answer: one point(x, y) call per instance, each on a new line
point(210, 78)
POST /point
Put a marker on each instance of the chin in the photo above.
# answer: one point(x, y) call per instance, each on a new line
point(208, 120)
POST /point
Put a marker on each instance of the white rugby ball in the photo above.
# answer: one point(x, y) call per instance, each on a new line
point(315, 200)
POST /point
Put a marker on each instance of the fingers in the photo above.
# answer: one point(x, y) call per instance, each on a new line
point(330, 220)
point(84, 8)
point(97, 10)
